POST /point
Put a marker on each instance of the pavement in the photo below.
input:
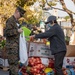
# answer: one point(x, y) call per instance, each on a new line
point(3, 72)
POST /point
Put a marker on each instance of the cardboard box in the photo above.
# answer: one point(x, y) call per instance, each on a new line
point(70, 51)
point(39, 50)
point(69, 61)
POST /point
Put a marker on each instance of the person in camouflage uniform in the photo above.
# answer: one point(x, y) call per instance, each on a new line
point(12, 32)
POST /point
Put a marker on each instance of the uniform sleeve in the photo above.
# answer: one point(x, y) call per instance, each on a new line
point(10, 29)
point(46, 34)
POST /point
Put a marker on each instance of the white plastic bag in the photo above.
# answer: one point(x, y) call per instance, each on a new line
point(23, 49)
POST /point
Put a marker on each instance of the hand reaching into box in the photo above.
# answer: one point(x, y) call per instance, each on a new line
point(32, 38)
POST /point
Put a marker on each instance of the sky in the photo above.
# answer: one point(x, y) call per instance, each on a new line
point(69, 4)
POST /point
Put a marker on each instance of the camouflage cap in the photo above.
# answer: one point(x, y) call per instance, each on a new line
point(22, 11)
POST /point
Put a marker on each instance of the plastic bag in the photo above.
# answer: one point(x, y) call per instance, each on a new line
point(23, 49)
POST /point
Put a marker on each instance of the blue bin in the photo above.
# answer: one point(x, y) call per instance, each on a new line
point(19, 73)
point(69, 66)
point(50, 73)
point(72, 71)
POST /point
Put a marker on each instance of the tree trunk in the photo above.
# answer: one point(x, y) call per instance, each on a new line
point(1, 30)
point(70, 13)
point(73, 43)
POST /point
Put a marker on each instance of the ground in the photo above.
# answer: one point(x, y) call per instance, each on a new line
point(3, 72)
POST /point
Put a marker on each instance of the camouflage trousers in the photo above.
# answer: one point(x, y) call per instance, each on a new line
point(13, 61)
point(13, 70)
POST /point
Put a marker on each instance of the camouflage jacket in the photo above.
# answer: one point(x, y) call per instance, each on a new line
point(11, 33)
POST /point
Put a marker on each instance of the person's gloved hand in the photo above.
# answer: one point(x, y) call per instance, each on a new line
point(32, 38)
point(20, 30)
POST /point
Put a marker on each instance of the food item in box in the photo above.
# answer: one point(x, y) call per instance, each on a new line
point(34, 61)
point(24, 74)
point(37, 68)
point(23, 69)
point(47, 70)
point(64, 71)
point(48, 43)
point(38, 60)
point(51, 63)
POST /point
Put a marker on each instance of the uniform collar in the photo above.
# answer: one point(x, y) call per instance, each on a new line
point(15, 19)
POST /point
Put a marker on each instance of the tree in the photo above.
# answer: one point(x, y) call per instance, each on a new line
point(65, 9)
point(70, 13)
point(73, 1)
point(6, 9)
point(67, 17)
point(31, 16)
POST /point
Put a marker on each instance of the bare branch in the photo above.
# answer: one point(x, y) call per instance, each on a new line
point(64, 8)
point(68, 11)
